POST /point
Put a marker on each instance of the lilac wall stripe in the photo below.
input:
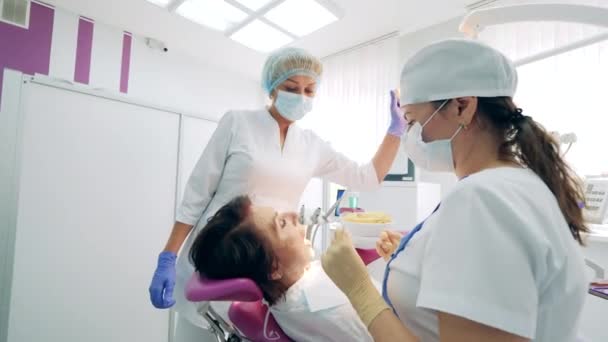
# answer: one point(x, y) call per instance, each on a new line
point(84, 47)
point(126, 62)
point(27, 50)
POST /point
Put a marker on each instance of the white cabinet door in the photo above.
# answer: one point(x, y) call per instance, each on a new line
point(96, 204)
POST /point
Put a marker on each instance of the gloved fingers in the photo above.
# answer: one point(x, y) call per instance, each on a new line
point(339, 246)
point(388, 237)
point(394, 237)
point(387, 247)
point(382, 238)
point(394, 100)
point(344, 240)
point(340, 235)
point(395, 103)
point(168, 297)
point(381, 248)
point(156, 295)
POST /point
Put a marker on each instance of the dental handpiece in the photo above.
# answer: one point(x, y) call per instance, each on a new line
point(324, 219)
point(314, 220)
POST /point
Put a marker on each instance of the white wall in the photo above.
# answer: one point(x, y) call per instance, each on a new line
point(180, 81)
point(170, 79)
point(63, 45)
point(106, 56)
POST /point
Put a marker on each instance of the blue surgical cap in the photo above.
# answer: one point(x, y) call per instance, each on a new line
point(287, 62)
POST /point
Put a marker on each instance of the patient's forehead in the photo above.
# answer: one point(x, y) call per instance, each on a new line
point(263, 217)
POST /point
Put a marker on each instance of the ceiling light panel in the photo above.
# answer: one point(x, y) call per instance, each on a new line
point(254, 5)
point(301, 17)
point(161, 3)
point(216, 14)
point(261, 36)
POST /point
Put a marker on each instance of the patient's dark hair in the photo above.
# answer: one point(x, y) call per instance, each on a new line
point(231, 246)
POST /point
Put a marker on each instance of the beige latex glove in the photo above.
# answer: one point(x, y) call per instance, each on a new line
point(346, 269)
point(387, 243)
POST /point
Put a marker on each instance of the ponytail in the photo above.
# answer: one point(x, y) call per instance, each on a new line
point(527, 142)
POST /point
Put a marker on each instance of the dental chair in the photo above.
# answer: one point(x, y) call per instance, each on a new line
point(250, 318)
point(599, 286)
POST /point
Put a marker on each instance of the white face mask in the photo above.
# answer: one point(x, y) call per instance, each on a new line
point(291, 106)
point(434, 155)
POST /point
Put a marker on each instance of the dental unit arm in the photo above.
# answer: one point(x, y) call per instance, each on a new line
point(317, 219)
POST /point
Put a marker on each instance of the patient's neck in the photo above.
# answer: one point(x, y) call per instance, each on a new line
point(293, 274)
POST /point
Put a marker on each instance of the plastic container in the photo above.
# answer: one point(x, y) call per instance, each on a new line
point(369, 230)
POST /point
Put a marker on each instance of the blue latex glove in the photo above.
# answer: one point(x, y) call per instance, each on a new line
point(398, 122)
point(163, 281)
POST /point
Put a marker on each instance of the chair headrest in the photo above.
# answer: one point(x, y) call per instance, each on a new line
point(367, 255)
point(201, 289)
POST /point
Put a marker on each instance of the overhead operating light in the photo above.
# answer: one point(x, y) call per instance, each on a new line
point(254, 5)
point(216, 14)
point(301, 17)
point(260, 36)
point(161, 3)
point(262, 25)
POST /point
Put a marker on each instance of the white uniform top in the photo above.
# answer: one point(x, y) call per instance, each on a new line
point(302, 322)
point(499, 252)
point(244, 157)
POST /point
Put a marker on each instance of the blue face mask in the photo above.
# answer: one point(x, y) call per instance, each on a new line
point(291, 106)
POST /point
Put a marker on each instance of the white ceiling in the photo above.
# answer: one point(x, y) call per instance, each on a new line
point(363, 20)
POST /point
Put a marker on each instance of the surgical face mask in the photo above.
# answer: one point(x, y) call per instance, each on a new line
point(291, 106)
point(432, 156)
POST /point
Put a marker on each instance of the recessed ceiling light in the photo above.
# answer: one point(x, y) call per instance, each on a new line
point(161, 3)
point(254, 5)
point(261, 37)
point(301, 17)
point(216, 14)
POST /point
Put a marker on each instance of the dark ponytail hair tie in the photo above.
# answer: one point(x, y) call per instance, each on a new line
point(517, 117)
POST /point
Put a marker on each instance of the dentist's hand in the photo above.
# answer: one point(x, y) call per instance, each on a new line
point(398, 122)
point(163, 281)
point(342, 263)
point(346, 269)
point(387, 243)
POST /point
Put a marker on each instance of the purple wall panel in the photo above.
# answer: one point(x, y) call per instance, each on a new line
point(126, 62)
point(84, 48)
point(27, 50)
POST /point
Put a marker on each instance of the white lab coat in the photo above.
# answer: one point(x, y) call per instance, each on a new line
point(244, 157)
point(314, 309)
point(499, 252)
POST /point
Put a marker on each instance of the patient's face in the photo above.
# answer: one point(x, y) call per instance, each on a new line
point(287, 237)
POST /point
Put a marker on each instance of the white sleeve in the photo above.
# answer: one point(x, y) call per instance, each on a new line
point(478, 264)
point(338, 168)
point(207, 173)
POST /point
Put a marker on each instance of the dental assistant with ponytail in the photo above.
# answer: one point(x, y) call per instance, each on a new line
point(499, 259)
point(265, 155)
